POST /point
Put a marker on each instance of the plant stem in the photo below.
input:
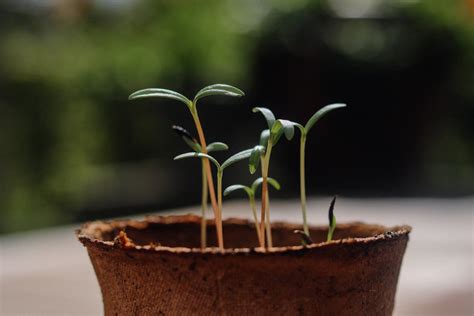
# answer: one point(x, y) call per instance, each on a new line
point(303, 183)
point(210, 182)
point(203, 206)
point(265, 165)
point(219, 195)
point(254, 211)
point(267, 223)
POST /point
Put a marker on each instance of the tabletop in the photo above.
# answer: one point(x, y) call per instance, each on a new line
point(48, 272)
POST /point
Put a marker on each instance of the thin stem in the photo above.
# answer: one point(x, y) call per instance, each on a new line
point(265, 165)
point(210, 182)
point(303, 183)
point(268, 224)
point(254, 212)
point(219, 195)
point(203, 206)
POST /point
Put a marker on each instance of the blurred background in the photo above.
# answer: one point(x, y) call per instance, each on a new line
point(73, 148)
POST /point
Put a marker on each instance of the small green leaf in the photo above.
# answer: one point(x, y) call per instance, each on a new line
point(332, 219)
point(264, 136)
point(187, 137)
point(218, 89)
point(267, 114)
point(237, 157)
point(271, 181)
point(216, 146)
point(160, 93)
point(288, 128)
point(254, 160)
point(319, 114)
point(198, 155)
point(237, 187)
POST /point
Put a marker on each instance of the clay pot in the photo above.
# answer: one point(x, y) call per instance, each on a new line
point(164, 272)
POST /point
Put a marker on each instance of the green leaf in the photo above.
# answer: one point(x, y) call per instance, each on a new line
point(160, 93)
point(318, 115)
point(264, 136)
point(218, 89)
point(254, 160)
point(198, 155)
point(217, 146)
point(237, 157)
point(187, 137)
point(237, 187)
point(288, 128)
point(271, 181)
point(280, 127)
point(332, 219)
point(267, 114)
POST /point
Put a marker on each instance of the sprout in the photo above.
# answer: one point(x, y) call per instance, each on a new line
point(216, 89)
point(220, 171)
point(194, 145)
point(262, 153)
point(304, 132)
point(332, 219)
point(251, 195)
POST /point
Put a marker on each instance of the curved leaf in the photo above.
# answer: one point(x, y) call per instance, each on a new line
point(267, 114)
point(254, 160)
point(288, 128)
point(160, 93)
point(332, 219)
point(318, 115)
point(276, 131)
point(237, 157)
point(218, 89)
point(216, 146)
point(264, 136)
point(282, 127)
point(187, 137)
point(237, 187)
point(198, 155)
point(274, 183)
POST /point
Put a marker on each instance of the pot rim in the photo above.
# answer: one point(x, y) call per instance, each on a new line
point(85, 234)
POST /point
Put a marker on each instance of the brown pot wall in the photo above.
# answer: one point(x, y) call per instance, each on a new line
point(356, 274)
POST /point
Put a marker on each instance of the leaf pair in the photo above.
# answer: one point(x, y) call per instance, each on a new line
point(215, 89)
point(230, 161)
point(194, 144)
point(275, 127)
point(253, 188)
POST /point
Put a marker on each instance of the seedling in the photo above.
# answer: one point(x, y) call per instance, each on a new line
point(194, 145)
point(332, 219)
point(304, 133)
point(262, 153)
point(216, 89)
point(220, 171)
point(251, 191)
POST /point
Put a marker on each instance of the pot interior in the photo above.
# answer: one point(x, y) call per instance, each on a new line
point(237, 233)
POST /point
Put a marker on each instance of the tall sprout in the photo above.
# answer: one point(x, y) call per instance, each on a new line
point(304, 133)
point(220, 172)
point(194, 145)
point(251, 192)
point(216, 89)
point(262, 154)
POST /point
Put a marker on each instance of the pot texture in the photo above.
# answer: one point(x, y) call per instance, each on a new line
point(162, 270)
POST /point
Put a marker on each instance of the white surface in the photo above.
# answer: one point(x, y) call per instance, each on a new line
point(48, 272)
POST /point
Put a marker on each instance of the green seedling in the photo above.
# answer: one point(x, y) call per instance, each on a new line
point(194, 145)
point(305, 239)
point(304, 133)
point(332, 219)
point(220, 172)
point(216, 89)
point(262, 153)
point(251, 191)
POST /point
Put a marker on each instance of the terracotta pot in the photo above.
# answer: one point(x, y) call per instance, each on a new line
point(165, 273)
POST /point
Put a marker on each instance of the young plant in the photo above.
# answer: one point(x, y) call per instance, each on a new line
point(216, 89)
point(220, 172)
point(251, 191)
point(194, 145)
point(332, 219)
point(304, 133)
point(262, 153)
